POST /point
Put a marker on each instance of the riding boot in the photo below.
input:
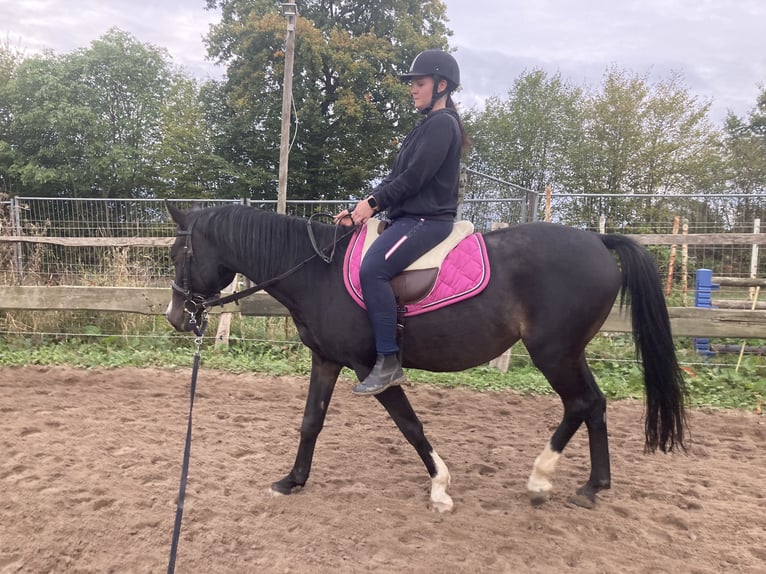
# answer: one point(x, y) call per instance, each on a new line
point(387, 372)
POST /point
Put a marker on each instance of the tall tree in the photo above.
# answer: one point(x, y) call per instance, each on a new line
point(524, 138)
point(111, 120)
point(10, 57)
point(184, 156)
point(349, 108)
point(746, 149)
point(642, 138)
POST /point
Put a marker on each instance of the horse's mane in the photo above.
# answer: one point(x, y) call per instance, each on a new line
point(251, 232)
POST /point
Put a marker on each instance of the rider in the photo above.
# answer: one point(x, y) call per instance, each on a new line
point(420, 195)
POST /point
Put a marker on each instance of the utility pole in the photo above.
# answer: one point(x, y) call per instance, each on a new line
point(290, 12)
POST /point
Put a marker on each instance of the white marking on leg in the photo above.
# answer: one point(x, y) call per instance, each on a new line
point(169, 309)
point(545, 464)
point(440, 500)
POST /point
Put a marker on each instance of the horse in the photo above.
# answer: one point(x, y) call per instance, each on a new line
point(551, 286)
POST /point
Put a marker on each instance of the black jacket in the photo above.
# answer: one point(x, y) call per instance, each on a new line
point(426, 173)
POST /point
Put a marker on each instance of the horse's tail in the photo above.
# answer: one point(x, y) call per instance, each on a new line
point(665, 424)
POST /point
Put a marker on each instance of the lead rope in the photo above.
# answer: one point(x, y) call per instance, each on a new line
point(187, 448)
point(199, 332)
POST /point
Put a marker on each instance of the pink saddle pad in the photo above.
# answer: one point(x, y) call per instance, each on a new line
point(463, 274)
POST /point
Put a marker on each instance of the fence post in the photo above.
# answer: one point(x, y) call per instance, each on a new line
point(16, 232)
point(548, 214)
point(754, 256)
point(462, 185)
point(502, 362)
point(672, 258)
point(532, 203)
point(685, 263)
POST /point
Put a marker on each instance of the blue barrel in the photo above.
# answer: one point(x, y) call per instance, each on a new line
point(703, 297)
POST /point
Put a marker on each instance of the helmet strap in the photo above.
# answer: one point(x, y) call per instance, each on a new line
point(436, 94)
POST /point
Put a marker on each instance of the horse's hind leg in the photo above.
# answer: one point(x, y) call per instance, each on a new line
point(398, 407)
point(583, 402)
point(324, 375)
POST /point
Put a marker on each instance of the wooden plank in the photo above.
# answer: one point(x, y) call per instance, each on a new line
point(92, 241)
point(144, 300)
point(700, 239)
point(697, 322)
point(644, 239)
point(738, 304)
point(740, 281)
point(685, 321)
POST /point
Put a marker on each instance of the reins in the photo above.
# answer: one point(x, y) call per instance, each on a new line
point(195, 304)
point(318, 252)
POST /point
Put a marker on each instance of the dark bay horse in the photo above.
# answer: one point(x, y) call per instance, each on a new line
point(551, 286)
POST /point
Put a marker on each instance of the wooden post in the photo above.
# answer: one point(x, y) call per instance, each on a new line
point(290, 12)
point(16, 231)
point(754, 257)
point(502, 362)
point(548, 203)
point(742, 348)
point(462, 185)
point(672, 260)
point(602, 223)
point(685, 263)
point(224, 321)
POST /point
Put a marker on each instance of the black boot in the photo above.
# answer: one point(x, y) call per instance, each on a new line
point(387, 372)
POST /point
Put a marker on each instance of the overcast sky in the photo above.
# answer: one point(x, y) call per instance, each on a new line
point(718, 46)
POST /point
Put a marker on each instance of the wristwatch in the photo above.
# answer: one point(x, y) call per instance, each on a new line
point(372, 202)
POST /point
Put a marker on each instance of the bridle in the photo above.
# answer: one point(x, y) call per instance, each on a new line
point(198, 304)
point(194, 303)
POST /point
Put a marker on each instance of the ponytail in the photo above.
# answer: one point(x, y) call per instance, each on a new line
point(465, 140)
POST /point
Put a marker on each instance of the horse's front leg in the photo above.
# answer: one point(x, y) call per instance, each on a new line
point(398, 407)
point(324, 375)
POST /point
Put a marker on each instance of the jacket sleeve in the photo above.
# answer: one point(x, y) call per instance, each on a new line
point(422, 162)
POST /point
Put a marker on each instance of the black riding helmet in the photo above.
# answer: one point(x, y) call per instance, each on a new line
point(440, 65)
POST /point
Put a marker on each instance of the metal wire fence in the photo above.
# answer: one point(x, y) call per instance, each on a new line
point(487, 201)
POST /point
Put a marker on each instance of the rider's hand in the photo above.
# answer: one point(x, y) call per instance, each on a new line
point(343, 218)
point(357, 216)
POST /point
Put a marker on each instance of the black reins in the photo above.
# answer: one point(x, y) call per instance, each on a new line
point(197, 304)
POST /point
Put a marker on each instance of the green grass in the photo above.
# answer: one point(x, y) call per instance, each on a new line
point(713, 383)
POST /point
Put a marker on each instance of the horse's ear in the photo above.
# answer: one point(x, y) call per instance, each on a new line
point(176, 214)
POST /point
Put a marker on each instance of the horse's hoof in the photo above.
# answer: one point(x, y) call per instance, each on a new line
point(280, 488)
point(442, 506)
point(538, 498)
point(583, 501)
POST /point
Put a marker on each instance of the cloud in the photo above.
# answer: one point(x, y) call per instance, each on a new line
point(176, 25)
point(718, 48)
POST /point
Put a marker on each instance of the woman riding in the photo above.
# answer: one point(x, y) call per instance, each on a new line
point(420, 195)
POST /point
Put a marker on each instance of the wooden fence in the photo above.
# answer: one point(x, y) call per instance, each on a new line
point(685, 321)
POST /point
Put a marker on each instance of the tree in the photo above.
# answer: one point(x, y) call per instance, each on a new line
point(746, 151)
point(112, 120)
point(524, 138)
point(10, 58)
point(642, 138)
point(350, 109)
point(185, 158)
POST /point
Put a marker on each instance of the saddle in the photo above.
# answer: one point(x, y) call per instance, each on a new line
point(454, 270)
